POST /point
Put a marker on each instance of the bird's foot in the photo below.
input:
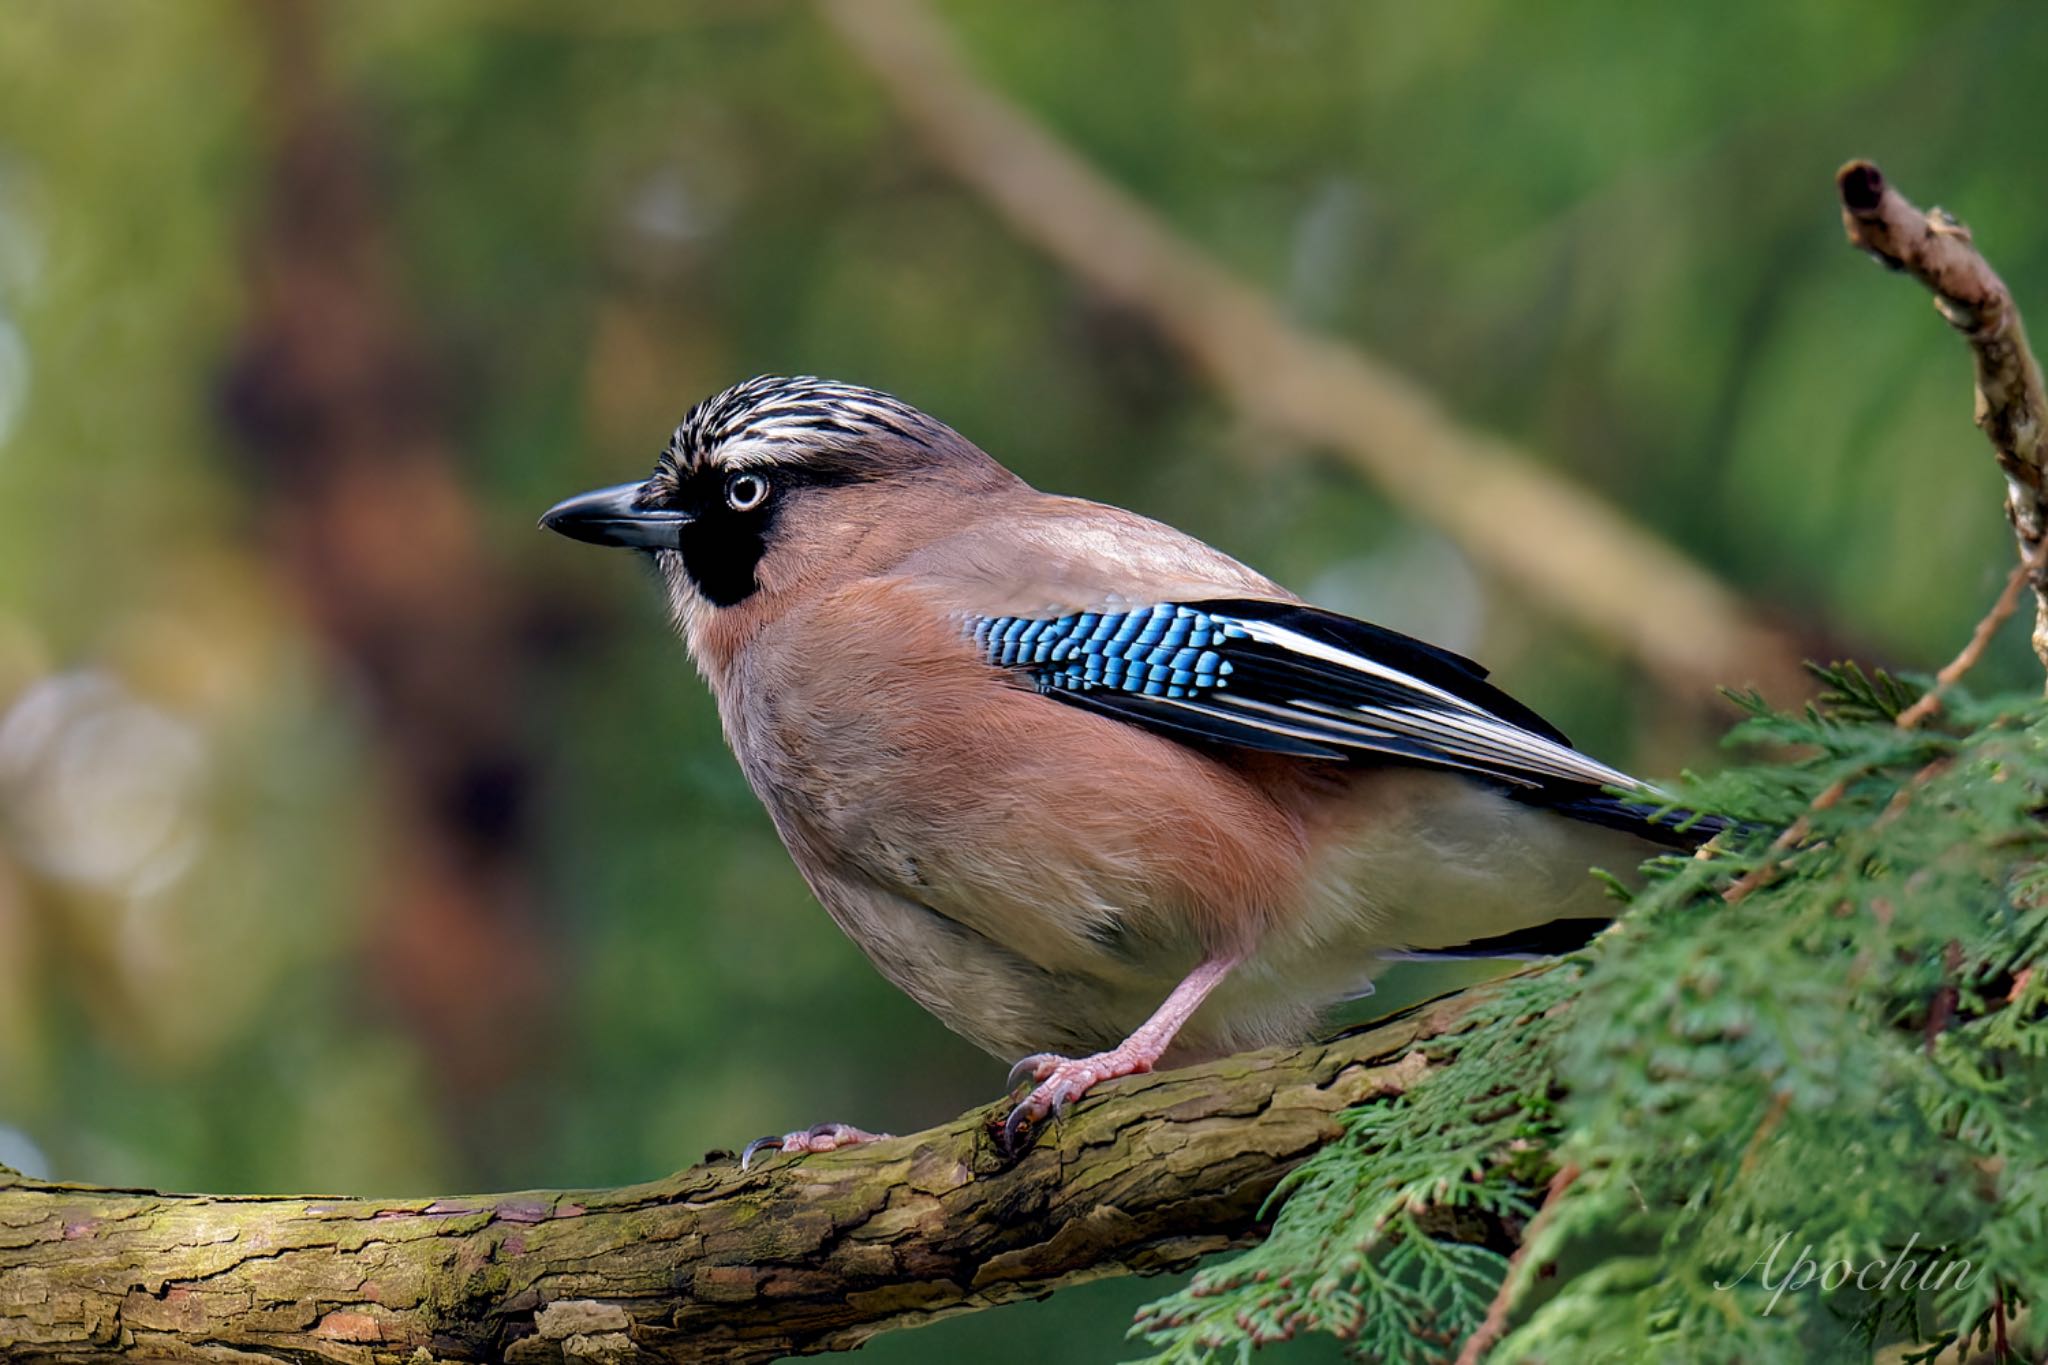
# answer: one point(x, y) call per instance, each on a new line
point(825, 1137)
point(1061, 1080)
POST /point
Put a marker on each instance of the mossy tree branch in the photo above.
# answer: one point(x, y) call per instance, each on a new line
point(810, 1254)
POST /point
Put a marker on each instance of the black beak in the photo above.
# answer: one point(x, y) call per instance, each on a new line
point(613, 516)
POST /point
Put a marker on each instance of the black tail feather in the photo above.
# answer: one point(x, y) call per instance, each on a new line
point(1680, 830)
point(1538, 940)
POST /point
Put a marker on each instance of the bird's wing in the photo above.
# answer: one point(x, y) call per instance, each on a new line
point(1134, 619)
point(1288, 678)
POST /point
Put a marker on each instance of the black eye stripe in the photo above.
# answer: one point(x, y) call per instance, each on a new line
point(722, 547)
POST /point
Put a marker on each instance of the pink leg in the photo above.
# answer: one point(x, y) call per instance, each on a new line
point(826, 1137)
point(1061, 1080)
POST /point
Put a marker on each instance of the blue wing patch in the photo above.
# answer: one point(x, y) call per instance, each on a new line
point(1168, 651)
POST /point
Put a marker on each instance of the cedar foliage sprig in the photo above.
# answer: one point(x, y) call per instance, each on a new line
point(1848, 1057)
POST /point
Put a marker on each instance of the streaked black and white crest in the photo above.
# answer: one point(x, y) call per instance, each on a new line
point(782, 420)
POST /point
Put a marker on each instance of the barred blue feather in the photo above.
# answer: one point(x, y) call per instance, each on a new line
point(1161, 651)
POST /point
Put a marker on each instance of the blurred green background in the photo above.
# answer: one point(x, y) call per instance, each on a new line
point(357, 837)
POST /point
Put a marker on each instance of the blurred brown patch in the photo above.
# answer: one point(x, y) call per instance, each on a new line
point(338, 407)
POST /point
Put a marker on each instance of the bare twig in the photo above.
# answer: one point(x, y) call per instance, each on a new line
point(1496, 1323)
point(2019, 983)
point(1936, 249)
point(1774, 1114)
point(2011, 408)
point(2001, 610)
point(1941, 1011)
point(1570, 550)
point(1787, 839)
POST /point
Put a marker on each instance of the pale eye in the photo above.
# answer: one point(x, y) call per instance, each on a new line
point(745, 492)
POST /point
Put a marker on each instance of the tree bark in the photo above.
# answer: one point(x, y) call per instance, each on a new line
point(799, 1255)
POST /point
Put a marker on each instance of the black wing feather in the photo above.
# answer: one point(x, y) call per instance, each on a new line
point(1454, 673)
point(1194, 723)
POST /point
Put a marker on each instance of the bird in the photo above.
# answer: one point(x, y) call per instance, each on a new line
point(1095, 794)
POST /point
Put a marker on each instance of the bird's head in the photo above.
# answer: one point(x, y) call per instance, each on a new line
point(777, 480)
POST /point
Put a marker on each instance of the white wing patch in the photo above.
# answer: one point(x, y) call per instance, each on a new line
point(1443, 721)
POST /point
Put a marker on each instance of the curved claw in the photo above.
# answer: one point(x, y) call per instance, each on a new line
point(1035, 1067)
point(1013, 1125)
point(1042, 1103)
point(748, 1152)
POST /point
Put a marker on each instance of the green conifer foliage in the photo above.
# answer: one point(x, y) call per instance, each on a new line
point(1796, 1090)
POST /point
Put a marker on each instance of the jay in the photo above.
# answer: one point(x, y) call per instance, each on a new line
point(1095, 794)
